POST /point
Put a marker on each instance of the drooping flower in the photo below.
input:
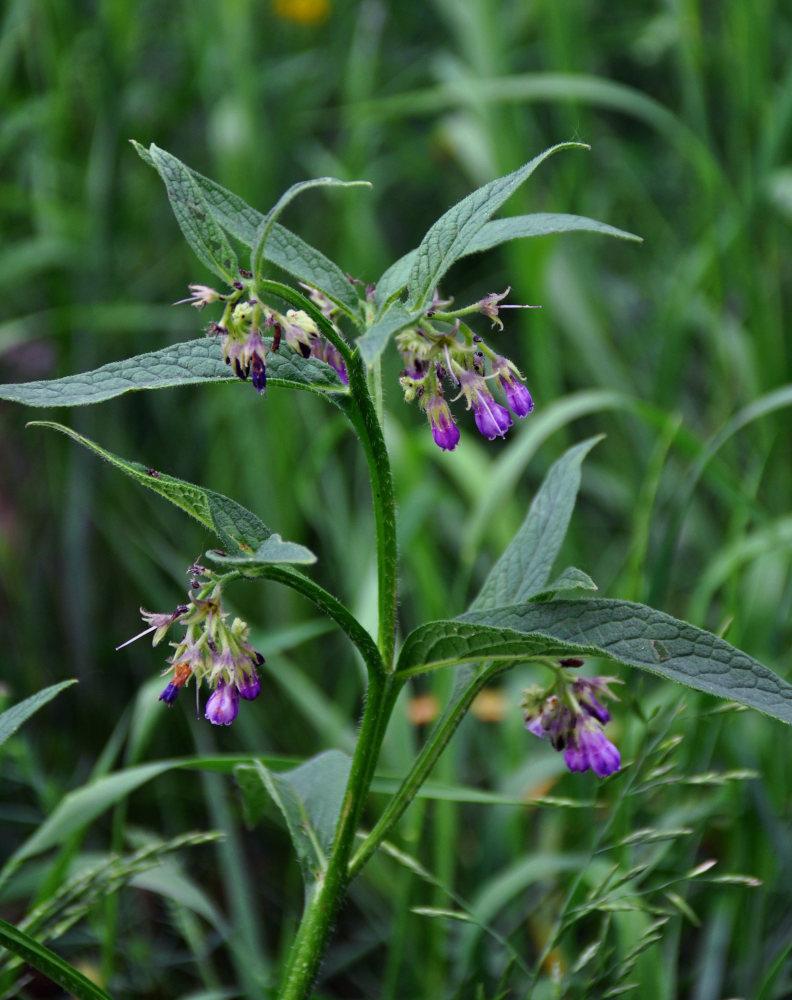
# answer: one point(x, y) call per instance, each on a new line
point(255, 355)
point(181, 674)
point(492, 419)
point(586, 689)
point(444, 431)
point(589, 747)
point(223, 706)
point(250, 688)
point(210, 650)
point(570, 715)
point(518, 398)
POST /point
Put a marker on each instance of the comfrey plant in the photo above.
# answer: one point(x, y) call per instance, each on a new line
point(325, 334)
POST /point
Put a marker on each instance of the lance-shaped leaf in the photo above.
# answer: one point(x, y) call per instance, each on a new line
point(524, 567)
point(374, 341)
point(499, 231)
point(237, 527)
point(283, 248)
point(265, 227)
point(520, 227)
point(189, 363)
point(628, 633)
point(450, 237)
point(207, 239)
point(13, 717)
point(309, 797)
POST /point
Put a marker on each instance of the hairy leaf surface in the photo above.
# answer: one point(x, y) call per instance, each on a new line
point(628, 633)
point(498, 231)
point(309, 797)
point(450, 237)
point(200, 229)
point(190, 363)
point(524, 567)
point(237, 527)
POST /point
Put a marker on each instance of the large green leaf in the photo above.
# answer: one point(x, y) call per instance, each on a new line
point(524, 567)
point(206, 238)
point(194, 361)
point(519, 227)
point(237, 527)
point(374, 341)
point(450, 237)
point(627, 633)
point(13, 717)
point(499, 231)
point(283, 247)
point(50, 964)
point(309, 797)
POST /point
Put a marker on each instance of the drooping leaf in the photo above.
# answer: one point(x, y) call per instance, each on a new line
point(237, 527)
point(192, 362)
point(628, 633)
point(206, 238)
point(524, 567)
point(374, 341)
point(450, 237)
point(309, 797)
point(498, 231)
point(13, 717)
point(265, 227)
point(273, 550)
point(51, 965)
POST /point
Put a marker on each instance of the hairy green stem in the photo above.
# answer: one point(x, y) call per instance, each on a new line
point(383, 688)
point(361, 411)
point(320, 913)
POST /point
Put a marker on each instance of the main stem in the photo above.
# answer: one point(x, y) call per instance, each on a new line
point(322, 907)
point(320, 913)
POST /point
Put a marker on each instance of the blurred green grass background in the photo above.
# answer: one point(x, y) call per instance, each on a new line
point(677, 349)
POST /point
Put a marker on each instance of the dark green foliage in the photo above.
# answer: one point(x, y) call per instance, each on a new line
point(678, 350)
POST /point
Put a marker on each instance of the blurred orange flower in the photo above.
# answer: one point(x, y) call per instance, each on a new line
point(302, 11)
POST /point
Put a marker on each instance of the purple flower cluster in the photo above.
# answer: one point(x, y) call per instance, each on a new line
point(244, 321)
point(572, 721)
point(436, 354)
point(210, 651)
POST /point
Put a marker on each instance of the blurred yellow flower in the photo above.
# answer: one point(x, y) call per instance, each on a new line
point(302, 11)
